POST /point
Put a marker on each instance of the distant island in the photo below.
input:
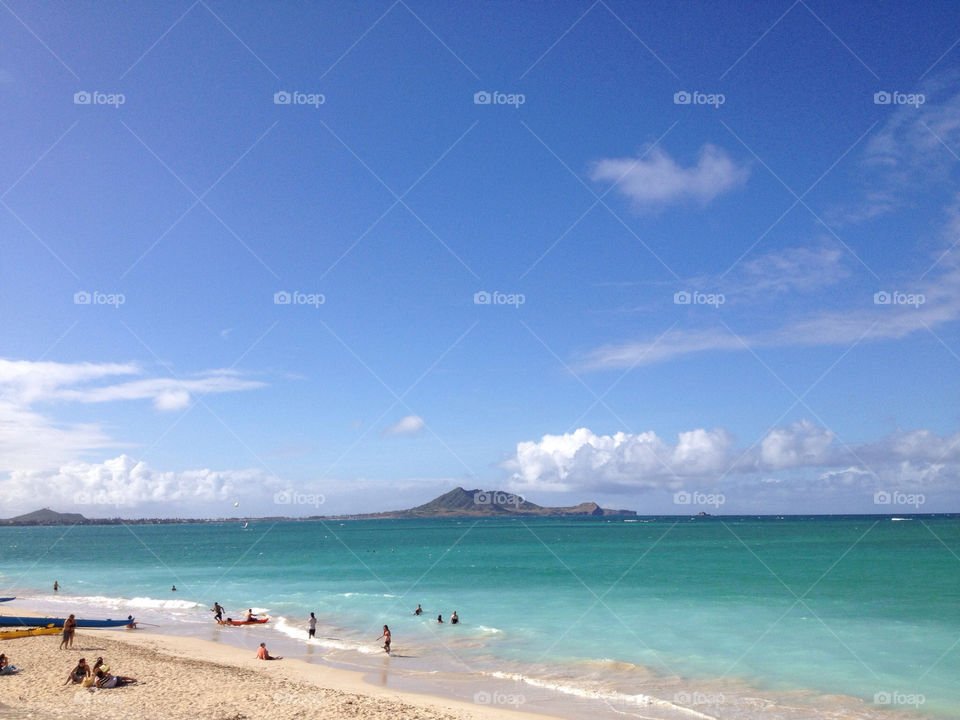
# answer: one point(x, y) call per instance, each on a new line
point(456, 503)
point(492, 503)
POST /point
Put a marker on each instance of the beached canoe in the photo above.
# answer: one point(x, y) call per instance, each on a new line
point(8, 599)
point(243, 622)
point(10, 621)
point(11, 634)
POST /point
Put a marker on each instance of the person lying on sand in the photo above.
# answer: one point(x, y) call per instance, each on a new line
point(263, 654)
point(106, 680)
point(81, 671)
point(5, 667)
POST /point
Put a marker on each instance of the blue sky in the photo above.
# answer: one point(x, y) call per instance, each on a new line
point(182, 198)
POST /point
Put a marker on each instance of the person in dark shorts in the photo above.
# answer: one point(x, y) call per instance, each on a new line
point(386, 638)
point(419, 610)
point(454, 619)
point(312, 626)
point(217, 612)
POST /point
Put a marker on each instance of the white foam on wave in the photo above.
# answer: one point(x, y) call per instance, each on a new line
point(896, 519)
point(360, 594)
point(491, 630)
point(143, 603)
point(299, 632)
point(611, 697)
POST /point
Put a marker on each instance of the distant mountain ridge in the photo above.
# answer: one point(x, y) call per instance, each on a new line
point(46, 516)
point(493, 503)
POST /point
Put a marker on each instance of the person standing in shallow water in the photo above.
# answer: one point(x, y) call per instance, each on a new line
point(312, 626)
point(56, 586)
point(386, 639)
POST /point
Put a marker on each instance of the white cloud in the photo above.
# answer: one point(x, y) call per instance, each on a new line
point(655, 179)
point(582, 460)
point(122, 483)
point(31, 440)
point(408, 425)
point(865, 322)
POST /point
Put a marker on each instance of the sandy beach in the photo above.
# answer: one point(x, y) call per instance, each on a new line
point(187, 678)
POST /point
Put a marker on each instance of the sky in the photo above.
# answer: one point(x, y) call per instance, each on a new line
point(321, 258)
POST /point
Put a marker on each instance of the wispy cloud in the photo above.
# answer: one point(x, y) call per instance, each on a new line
point(408, 425)
point(655, 179)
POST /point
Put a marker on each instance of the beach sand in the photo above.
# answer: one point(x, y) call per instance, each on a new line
point(190, 678)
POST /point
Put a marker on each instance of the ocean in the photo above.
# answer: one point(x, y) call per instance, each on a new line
point(715, 617)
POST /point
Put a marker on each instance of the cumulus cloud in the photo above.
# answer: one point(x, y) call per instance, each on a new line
point(655, 179)
point(407, 425)
point(123, 483)
point(583, 460)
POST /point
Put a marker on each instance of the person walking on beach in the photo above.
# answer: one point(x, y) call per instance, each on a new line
point(386, 638)
point(419, 610)
point(217, 611)
point(69, 627)
point(312, 626)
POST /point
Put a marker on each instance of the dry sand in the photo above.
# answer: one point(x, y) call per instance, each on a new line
point(190, 678)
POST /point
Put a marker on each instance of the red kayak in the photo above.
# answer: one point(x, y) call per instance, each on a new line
point(258, 621)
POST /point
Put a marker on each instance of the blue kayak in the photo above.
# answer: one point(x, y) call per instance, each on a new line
point(10, 621)
point(8, 599)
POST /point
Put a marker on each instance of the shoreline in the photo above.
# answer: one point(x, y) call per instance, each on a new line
point(307, 684)
point(191, 677)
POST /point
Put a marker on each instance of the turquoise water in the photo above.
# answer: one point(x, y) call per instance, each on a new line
point(854, 606)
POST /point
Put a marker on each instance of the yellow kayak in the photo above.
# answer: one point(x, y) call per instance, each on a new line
point(11, 634)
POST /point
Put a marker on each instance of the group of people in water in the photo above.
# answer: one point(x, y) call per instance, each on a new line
point(385, 635)
point(96, 675)
point(454, 619)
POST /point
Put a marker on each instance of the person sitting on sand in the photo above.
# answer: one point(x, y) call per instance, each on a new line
point(132, 625)
point(69, 627)
point(5, 667)
point(98, 664)
point(386, 638)
point(264, 654)
point(419, 610)
point(77, 675)
point(439, 618)
point(106, 680)
point(454, 619)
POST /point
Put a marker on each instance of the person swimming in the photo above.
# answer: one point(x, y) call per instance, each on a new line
point(419, 610)
point(454, 619)
point(439, 618)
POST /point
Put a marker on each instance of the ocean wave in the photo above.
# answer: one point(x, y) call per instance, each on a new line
point(299, 632)
point(610, 697)
point(491, 630)
point(143, 603)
